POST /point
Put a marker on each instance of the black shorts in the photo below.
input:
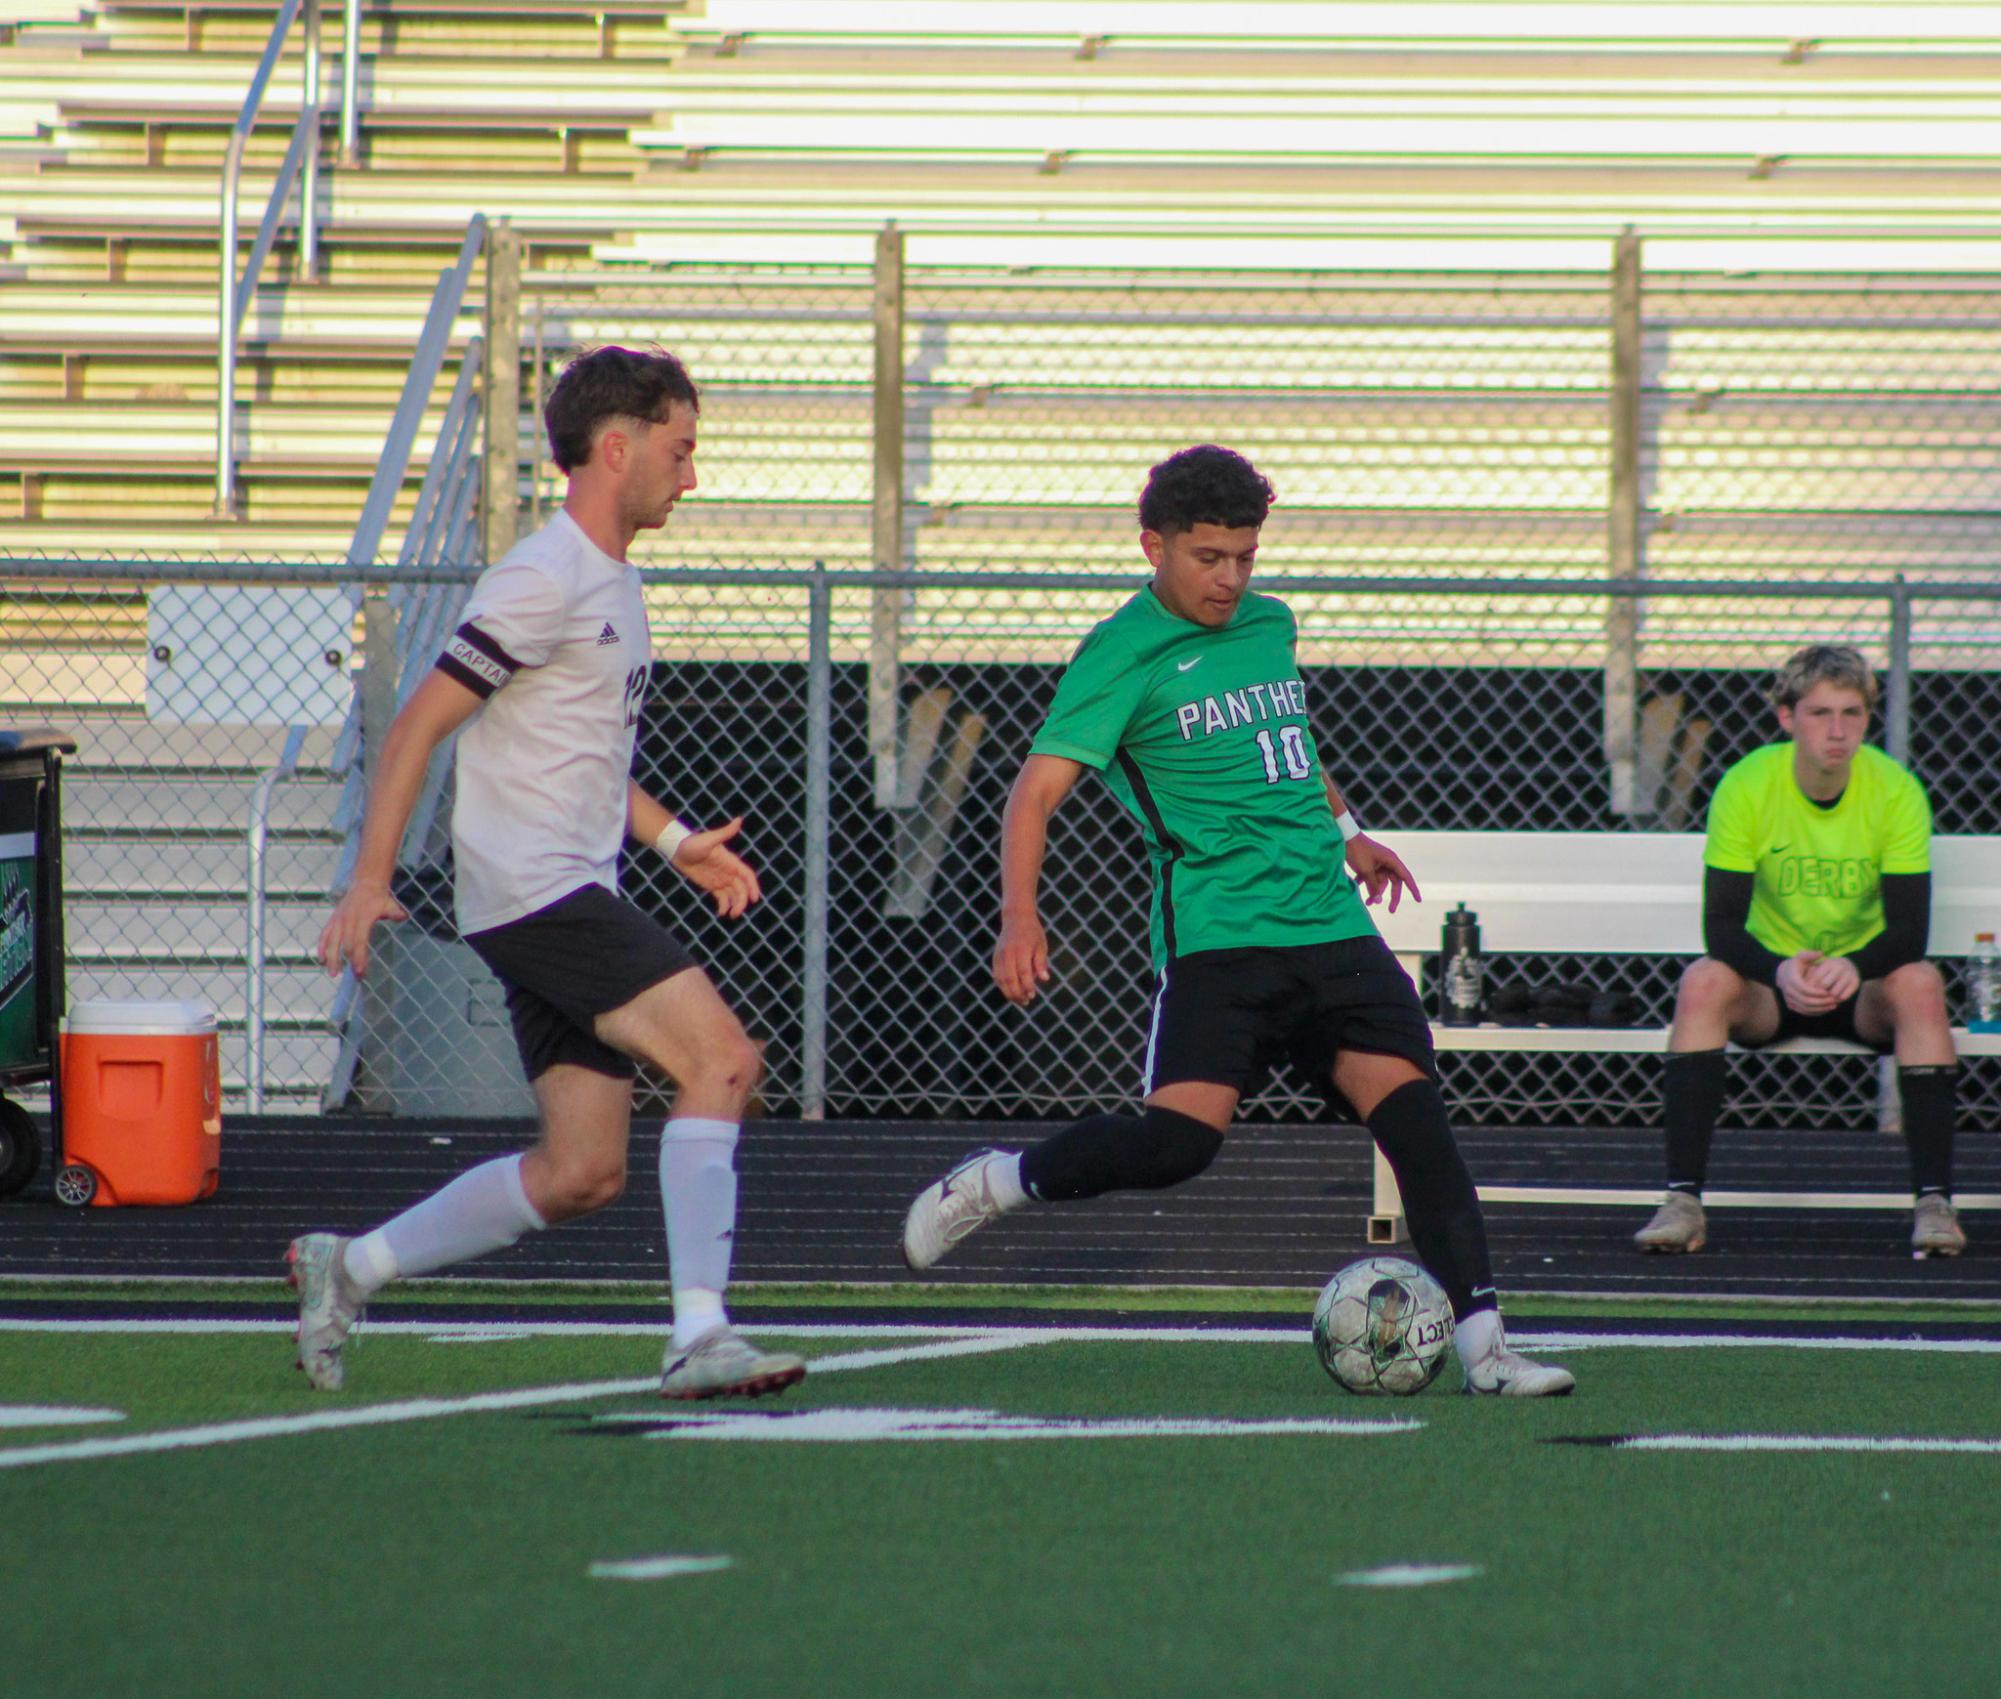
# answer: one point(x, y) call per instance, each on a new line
point(1227, 1017)
point(1838, 1022)
point(563, 966)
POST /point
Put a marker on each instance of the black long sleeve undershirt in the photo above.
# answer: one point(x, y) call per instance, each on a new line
point(1907, 926)
point(1726, 910)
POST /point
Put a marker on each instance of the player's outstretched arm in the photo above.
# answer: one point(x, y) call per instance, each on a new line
point(436, 709)
point(1380, 869)
point(1021, 954)
point(702, 858)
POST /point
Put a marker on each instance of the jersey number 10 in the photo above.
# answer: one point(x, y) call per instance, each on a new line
point(1291, 747)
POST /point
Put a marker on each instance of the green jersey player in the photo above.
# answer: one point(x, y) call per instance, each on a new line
point(1189, 704)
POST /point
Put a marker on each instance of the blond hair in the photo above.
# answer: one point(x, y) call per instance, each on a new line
point(1823, 663)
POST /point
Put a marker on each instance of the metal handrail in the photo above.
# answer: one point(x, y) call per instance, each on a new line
point(425, 363)
point(258, 839)
point(301, 161)
point(444, 479)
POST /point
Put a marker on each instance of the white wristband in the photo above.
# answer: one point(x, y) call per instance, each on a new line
point(672, 836)
point(1346, 821)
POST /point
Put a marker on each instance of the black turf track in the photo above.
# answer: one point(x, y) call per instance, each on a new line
point(1284, 1206)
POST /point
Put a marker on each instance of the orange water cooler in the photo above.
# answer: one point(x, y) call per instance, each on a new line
point(142, 1104)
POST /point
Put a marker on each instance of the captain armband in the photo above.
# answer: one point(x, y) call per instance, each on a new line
point(474, 660)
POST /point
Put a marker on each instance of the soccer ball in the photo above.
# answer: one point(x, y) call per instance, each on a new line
point(1382, 1326)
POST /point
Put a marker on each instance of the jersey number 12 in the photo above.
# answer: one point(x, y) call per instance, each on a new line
point(1291, 748)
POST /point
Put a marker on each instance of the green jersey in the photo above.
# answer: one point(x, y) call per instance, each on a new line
point(1201, 733)
point(1818, 871)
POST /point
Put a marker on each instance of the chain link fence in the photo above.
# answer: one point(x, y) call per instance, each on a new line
point(1546, 536)
point(1457, 705)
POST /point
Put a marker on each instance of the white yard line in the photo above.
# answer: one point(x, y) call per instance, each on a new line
point(1804, 1442)
point(430, 1409)
point(1409, 1575)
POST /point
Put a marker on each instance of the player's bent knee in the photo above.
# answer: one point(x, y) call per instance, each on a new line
point(1916, 989)
point(732, 1066)
point(1176, 1147)
point(1709, 982)
point(580, 1189)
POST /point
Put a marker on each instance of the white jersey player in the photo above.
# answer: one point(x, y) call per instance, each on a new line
point(546, 675)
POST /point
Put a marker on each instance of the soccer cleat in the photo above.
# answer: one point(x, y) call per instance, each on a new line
point(1678, 1225)
point(723, 1364)
point(949, 1210)
point(1935, 1228)
point(329, 1306)
point(1506, 1374)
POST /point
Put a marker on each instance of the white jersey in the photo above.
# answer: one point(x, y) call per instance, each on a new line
point(555, 639)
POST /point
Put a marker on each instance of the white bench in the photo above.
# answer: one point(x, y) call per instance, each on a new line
point(1630, 893)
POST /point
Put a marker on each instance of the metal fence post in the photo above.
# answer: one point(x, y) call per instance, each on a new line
point(1897, 697)
point(819, 766)
point(379, 620)
point(350, 83)
point(500, 483)
point(886, 605)
point(1623, 556)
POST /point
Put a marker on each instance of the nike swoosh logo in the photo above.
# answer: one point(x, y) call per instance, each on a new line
point(1779, 849)
point(1185, 665)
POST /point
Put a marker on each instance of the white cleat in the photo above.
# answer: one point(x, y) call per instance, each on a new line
point(329, 1306)
point(1935, 1228)
point(723, 1364)
point(1507, 1374)
point(1679, 1226)
point(950, 1210)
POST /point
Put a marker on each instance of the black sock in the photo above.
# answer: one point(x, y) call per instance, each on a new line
point(1931, 1107)
point(1413, 1132)
point(1692, 1093)
point(1117, 1153)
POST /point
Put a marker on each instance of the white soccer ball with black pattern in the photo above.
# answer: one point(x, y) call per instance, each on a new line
point(1383, 1326)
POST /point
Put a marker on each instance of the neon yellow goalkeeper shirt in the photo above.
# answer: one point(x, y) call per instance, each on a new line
point(1818, 871)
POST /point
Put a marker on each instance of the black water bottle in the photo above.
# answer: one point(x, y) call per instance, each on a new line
point(1462, 976)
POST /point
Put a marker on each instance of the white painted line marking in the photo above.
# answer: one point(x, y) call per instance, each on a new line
point(197, 1326)
point(919, 1353)
point(1754, 1341)
point(1805, 1442)
point(850, 1426)
point(1409, 1575)
point(54, 1416)
point(429, 1409)
point(475, 1336)
point(657, 1568)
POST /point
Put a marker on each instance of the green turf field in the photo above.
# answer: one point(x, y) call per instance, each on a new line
point(1007, 1511)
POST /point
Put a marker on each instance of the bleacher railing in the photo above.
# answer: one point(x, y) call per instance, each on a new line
point(1470, 703)
point(301, 165)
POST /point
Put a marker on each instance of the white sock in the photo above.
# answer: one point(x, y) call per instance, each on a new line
point(369, 1261)
point(1477, 1335)
point(698, 1197)
point(483, 1210)
point(1004, 1179)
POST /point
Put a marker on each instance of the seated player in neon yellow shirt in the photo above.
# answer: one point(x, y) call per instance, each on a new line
point(1816, 907)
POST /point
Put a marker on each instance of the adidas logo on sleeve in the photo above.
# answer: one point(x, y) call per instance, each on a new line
point(607, 635)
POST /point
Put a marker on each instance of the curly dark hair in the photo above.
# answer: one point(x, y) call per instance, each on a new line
point(1204, 485)
point(611, 383)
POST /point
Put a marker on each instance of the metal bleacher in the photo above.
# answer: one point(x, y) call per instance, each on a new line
point(647, 151)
